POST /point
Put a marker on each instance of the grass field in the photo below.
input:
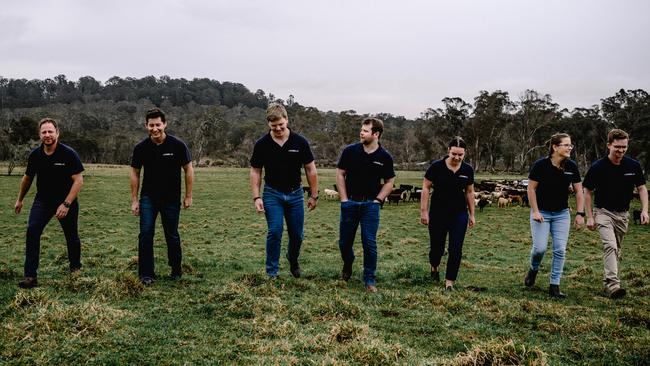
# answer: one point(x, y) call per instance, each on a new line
point(224, 311)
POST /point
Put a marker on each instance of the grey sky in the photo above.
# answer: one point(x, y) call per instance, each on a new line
point(399, 57)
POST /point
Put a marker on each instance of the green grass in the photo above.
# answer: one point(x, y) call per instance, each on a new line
point(224, 311)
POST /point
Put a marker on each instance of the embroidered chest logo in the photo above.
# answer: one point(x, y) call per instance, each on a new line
point(378, 163)
point(168, 154)
point(463, 176)
point(568, 173)
point(628, 174)
point(293, 150)
point(59, 164)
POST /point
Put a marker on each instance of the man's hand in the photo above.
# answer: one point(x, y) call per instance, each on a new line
point(61, 212)
point(579, 222)
point(312, 203)
point(424, 218)
point(644, 218)
point(259, 205)
point(187, 202)
point(591, 223)
point(18, 206)
point(472, 221)
point(538, 217)
point(135, 208)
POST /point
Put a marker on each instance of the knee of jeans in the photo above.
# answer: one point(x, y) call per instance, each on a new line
point(275, 232)
point(559, 252)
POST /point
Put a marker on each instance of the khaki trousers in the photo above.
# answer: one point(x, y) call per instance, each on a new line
point(612, 227)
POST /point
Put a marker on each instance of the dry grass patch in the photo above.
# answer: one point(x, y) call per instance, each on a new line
point(499, 352)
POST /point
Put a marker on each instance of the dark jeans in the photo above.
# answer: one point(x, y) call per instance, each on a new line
point(280, 207)
point(365, 213)
point(39, 216)
point(441, 223)
point(169, 214)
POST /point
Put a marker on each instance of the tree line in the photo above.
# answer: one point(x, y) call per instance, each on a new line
point(220, 121)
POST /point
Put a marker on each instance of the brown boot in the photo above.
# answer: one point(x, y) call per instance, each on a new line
point(28, 282)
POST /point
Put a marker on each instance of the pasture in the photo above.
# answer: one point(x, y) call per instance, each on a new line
point(224, 311)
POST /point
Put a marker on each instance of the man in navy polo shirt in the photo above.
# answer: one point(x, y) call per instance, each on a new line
point(613, 179)
point(162, 156)
point(360, 170)
point(58, 169)
point(282, 153)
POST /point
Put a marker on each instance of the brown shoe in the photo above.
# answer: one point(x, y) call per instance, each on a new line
point(346, 272)
point(371, 288)
point(617, 294)
point(28, 282)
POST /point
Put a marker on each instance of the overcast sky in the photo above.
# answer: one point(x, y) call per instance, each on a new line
point(399, 57)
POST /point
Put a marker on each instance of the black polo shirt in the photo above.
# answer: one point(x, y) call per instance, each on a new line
point(162, 167)
point(53, 172)
point(282, 164)
point(449, 187)
point(553, 183)
point(363, 171)
point(613, 184)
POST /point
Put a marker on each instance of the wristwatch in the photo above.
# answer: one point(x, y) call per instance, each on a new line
point(66, 204)
point(580, 213)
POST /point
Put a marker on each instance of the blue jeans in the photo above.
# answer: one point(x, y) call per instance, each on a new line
point(557, 223)
point(40, 214)
point(365, 213)
point(441, 223)
point(278, 207)
point(169, 214)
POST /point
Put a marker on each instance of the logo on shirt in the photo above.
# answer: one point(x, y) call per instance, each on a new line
point(378, 163)
point(626, 174)
point(168, 154)
point(293, 150)
point(568, 173)
point(463, 176)
point(59, 164)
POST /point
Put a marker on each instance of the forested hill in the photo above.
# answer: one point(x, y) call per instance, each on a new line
point(220, 121)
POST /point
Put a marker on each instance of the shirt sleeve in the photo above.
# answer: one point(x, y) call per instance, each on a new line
point(76, 166)
point(536, 171)
point(136, 158)
point(590, 177)
point(470, 176)
point(31, 164)
point(640, 178)
point(389, 171)
point(184, 154)
point(576, 173)
point(430, 173)
point(308, 155)
point(256, 159)
point(344, 160)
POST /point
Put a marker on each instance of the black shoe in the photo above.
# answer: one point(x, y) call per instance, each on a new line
point(28, 282)
point(75, 269)
point(554, 291)
point(617, 294)
point(435, 276)
point(294, 268)
point(147, 281)
point(346, 272)
point(530, 278)
point(176, 275)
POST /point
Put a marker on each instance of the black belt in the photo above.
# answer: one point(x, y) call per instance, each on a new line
point(360, 197)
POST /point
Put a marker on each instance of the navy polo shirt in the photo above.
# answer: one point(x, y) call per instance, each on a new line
point(162, 167)
point(613, 184)
point(363, 171)
point(449, 187)
point(282, 164)
point(53, 172)
point(553, 183)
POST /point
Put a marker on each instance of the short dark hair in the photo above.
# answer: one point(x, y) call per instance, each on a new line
point(617, 134)
point(155, 113)
point(457, 142)
point(48, 120)
point(377, 124)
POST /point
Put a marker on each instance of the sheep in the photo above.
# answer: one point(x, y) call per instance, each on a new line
point(482, 203)
point(503, 202)
point(331, 194)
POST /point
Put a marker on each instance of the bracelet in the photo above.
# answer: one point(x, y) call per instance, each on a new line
point(314, 198)
point(256, 198)
point(580, 213)
point(66, 204)
point(379, 199)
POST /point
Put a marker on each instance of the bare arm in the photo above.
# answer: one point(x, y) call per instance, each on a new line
point(469, 196)
point(256, 181)
point(189, 183)
point(643, 196)
point(591, 224)
point(77, 182)
point(312, 178)
point(135, 187)
point(340, 184)
point(580, 204)
point(424, 201)
point(25, 184)
point(386, 189)
point(532, 200)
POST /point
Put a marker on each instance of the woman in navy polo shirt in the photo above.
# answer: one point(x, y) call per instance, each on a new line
point(452, 181)
point(548, 194)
